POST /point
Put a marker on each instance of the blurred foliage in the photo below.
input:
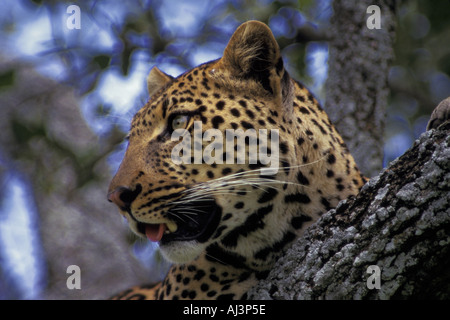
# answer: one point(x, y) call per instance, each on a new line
point(420, 75)
point(152, 32)
point(6, 78)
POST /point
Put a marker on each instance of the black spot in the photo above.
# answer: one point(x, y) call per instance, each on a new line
point(325, 203)
point(247, 125)
point(211, 293)
point(239, 205)
point(284, 148)
point(199, 275)
point(302, 179)
point(204, 287)
point(285, 166)
point(268, 195)
point(227, 216)
point(250, 114)
point(235, 112)
point(304, 110)
point(220, 105)
point(254, 166)
point(165, 104)
point(226, 171)
point(297, 197)
point(300, 141)
point(191, 268)
point(297, 222)
point(330, 173)
point(340, 186)
point(243, 103)
point(331, 159)
point(251, 224)
point(214, 278)
point(319, 126)
point(216, 121)
point(219, 231)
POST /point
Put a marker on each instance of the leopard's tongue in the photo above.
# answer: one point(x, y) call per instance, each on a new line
point(155, 232)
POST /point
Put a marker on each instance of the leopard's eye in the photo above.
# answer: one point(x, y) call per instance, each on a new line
point(180, 122)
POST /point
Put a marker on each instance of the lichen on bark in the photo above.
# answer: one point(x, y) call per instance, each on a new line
point(400, 222)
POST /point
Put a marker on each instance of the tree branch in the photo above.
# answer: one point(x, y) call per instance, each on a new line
point(400, 222)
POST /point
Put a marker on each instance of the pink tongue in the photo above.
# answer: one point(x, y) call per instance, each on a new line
point(155, 232)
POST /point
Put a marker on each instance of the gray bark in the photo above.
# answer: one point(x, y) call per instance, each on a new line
point(400, 222)
point(357, 88)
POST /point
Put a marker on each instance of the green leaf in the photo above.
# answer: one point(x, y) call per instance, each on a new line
point(7, 78)
point(102, 61)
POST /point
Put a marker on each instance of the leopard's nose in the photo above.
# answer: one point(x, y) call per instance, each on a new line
point(123, 196)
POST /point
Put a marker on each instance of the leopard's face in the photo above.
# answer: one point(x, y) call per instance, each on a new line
point(232, 158)
point(190, 201)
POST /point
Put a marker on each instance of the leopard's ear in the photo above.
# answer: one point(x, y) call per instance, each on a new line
point(157, 79)
point(253, 54)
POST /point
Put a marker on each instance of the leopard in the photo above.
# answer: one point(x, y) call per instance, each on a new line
point(223, 224)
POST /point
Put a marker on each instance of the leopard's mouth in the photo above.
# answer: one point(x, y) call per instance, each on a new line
point(195, 220)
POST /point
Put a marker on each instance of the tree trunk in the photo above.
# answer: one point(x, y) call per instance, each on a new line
point(399, 222)
point(357, 88)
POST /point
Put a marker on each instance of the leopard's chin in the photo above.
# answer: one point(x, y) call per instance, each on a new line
point(182, 251)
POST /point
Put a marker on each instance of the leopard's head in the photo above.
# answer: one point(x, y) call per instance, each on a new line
point(181, 184)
